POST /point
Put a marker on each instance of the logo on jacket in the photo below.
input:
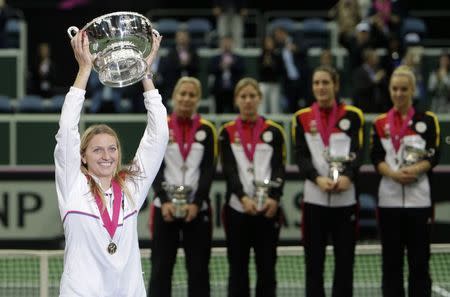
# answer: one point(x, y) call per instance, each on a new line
point(171, 136)
point(387, 132)
point(237, 140)
point(421, 127)
point(200, 135)
point(344, 124)
point(267, 136)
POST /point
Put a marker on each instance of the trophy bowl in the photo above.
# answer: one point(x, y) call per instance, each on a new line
point(179, 195)
point(119, 42)
point(262, 188)
point(411, 155)
point(337, 163)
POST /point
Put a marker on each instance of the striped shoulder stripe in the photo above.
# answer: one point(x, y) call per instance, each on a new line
point(276, 125)
point(357, 111)
point(294, 120)
point(380, 117)
point(303, 110)
point(436, 124)
point(230, 123)
point(214, 132)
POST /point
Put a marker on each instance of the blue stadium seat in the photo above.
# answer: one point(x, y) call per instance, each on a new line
point(413, 25)
point(5, 104)
point(315, 33)
point(56, 103)
point(167, 27)
point(12, 30)
point(199, 29)
point(31, 104)
point(286, 23)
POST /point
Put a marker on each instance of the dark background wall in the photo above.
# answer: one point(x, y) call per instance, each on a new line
point(48, 23)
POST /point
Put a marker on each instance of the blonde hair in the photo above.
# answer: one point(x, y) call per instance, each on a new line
point(188, 79)
point(120, 174)
point(247, 81)
point(404, 70)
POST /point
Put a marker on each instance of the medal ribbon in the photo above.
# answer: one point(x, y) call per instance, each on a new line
point(249, 148)
point(186, 143)
point(325, 132)
point(111, 225)
point(397, 134)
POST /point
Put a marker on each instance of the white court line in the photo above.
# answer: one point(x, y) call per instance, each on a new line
point(441, 291)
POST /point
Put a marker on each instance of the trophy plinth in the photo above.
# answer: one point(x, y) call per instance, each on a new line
point(119, 42)
point(262, 191)
point(179, 195)
point(337, 164)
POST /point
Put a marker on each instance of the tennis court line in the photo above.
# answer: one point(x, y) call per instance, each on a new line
point(441, 291)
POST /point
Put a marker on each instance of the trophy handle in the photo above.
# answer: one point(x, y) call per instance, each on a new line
point(154, 31)
point(72, 31)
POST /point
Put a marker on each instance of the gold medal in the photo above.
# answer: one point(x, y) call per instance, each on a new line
point(112, 248)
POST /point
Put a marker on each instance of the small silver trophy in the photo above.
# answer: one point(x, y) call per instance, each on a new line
point(337, 163)
point(262, 191)
point(410, 155)
point(119, 42)
point(179, 195)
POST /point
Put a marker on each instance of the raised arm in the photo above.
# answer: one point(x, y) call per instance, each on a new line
point(152, 147)
point(67, 150)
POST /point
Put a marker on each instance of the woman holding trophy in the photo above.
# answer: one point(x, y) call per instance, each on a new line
point(99, 200)
point(181, 208)
point(405, 147)
point(253, 159)
point(328, 137)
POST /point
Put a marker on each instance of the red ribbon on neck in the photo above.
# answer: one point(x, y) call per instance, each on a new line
point(250, 147)
point(397, 134)
point(184, 143)
point(110, 225)
point(325, 132)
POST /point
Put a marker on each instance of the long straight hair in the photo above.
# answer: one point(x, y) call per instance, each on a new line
point(120, 174)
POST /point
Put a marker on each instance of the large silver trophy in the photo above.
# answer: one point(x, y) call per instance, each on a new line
point(337, 163)
point(262, 191)
point(179, 195)
point(120, 42)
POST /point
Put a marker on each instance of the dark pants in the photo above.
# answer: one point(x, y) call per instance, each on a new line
point(242, 233)
point(319, 223)
point(196, 240)
point(405, 228)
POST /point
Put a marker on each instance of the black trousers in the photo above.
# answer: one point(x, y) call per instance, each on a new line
point(242, 233)
point(405, 228)
point(320, 223)
point(195, 238)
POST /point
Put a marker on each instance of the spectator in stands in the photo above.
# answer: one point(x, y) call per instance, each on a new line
point(252, 150)
point(6, 13)
point(182, 60)
point(96, 194)
point(44, 72)
point(104, 99)
point(347, 15)
point(369, 85)
point(190, 161)
point(230, 16)
point(413, 59)
point(404, 199)
point(439, 85)
point(356, 44)
point(294, 73)
point(394, 56)
point(329, 200)
point(225, 70)
point(269, 74)
point(386, 15)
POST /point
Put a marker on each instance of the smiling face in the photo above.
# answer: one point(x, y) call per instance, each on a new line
point(324, 88)
point(101, 157)
point(247, 99)
point(401, 90)
point(186, 99)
